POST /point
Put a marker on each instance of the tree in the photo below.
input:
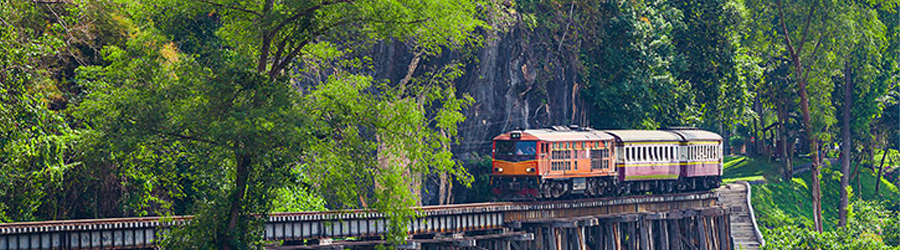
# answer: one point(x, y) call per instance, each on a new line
point(35, 139)
point(244, 131)
point(861, 45)
point(801, 28)
point(629, 60)
point(708, 44)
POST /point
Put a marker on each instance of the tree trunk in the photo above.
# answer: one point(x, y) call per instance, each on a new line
point(754, 146)
point(237, 200)
point(846, 144)
point(813, 144)
point(724, 133)
point(811, 138)
point(786, 157)
point(804, 106)
point(881, 169)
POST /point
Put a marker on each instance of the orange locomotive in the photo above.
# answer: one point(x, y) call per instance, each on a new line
point(563, 161)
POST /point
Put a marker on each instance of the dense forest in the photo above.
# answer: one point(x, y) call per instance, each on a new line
point(228, 108)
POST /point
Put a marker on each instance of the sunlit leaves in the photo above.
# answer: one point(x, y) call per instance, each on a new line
point(34, 139)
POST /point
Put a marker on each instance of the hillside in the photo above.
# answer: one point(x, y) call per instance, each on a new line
point(780, 205)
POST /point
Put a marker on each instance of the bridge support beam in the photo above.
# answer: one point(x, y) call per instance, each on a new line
point(705, 228)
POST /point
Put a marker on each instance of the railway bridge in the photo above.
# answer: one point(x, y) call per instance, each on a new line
point(672, 221)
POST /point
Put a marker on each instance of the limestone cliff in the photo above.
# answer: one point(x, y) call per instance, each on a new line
point(522, 77)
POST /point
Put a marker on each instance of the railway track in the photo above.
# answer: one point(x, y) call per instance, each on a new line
point(460, 219)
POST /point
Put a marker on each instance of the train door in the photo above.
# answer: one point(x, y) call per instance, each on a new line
point(544, 158)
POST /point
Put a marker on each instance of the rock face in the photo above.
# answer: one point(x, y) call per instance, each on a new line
point(519, 78)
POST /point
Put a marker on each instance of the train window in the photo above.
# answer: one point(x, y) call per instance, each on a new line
point(695, 153)
point(515, 151)
point(630, 154)
point(646, 154)
point(643, 153)
point(634, 152)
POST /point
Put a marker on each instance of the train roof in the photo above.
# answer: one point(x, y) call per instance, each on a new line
point(698, 135)
point(560, 133)
point(644, 135)
point(550, 134)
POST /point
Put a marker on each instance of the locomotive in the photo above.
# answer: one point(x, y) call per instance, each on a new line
point(571, 161)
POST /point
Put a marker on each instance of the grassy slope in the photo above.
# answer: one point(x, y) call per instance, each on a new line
point(740, 168)
point(777, 203)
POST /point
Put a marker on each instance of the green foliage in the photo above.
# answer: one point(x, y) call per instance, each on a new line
point(156, 109)
point(629, 63)
point(787, 203)
point(242, 141)
point(707, 46)
point(871, 226)
point(352, 123)
point(34, 140)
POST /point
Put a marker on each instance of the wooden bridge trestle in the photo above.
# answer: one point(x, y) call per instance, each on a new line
point(673, 221)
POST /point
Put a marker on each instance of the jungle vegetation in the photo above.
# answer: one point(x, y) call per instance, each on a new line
point(114, 108)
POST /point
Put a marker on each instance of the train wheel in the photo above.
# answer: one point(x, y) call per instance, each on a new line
point(591, 189)
point(558, 190)
point(546, 188)
point(680, 186)
point(625, 189)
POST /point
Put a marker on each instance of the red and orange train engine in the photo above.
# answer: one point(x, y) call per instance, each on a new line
point(552, 162)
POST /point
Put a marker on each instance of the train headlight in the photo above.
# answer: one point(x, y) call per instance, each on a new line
point(529, 170)
point(499, 170)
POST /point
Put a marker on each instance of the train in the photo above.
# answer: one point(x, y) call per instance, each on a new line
point(571, 161)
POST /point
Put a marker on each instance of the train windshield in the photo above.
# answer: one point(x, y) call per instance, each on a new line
point(516, 151)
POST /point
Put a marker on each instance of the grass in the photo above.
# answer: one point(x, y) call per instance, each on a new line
point(780, 203)
point(741, 168)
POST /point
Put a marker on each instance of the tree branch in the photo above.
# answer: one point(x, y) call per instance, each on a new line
point(815, 57)
point(229, 7)
point(190, 138)
point(280, 50)
point(51, 2)
point(413, 64)
point(812, 10)
point(787, 36)
point(305, 12)
point(312, 36)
